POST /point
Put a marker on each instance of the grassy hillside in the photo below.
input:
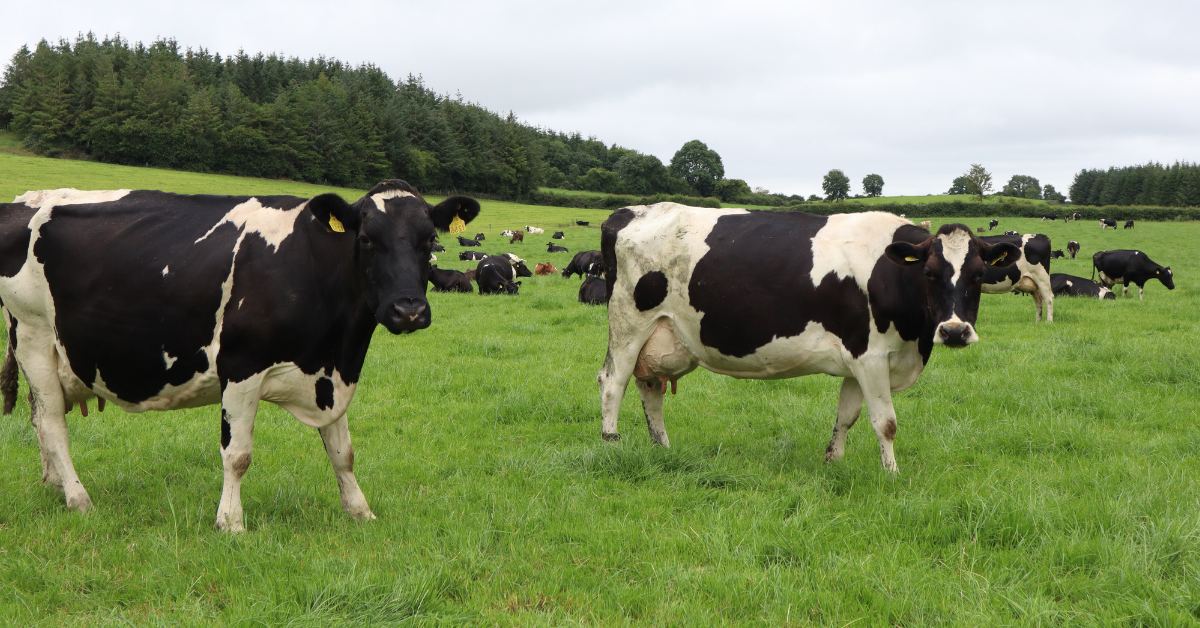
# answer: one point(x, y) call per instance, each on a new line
point(942, 198)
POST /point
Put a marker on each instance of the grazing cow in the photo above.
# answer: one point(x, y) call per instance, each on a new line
point(534, 230)
point(449, 280)
point(496, 276)
point(993, 224)
point(1011, 233)
point(552, 248)
point(466, 242)
point(1058, 254)
point(517, 237)
point(471, 255)
point(479, 237)
point(1072, 286)
point(544, 268)
point(981, 230)
point(1049, 217)
point(156, 301)
point(1073, 248)
point(437, 248)
point(1030, 275)
point(593, 291)
point(861, 296)
point(582, 223)
point(585, 263)
point(1128, 224)
point(558, 235)
point(1124, 266)
point(1106, 223)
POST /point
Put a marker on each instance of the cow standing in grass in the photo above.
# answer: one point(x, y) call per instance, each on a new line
point(861, 296)
point(1030, 275)
point(156, 301)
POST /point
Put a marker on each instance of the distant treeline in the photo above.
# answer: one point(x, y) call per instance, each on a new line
point(317, 120)
point(972, 209)
point(1177, 185)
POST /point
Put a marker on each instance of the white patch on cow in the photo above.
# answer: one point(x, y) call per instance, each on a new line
point(955, 247)
point(1070, 283)
point(850, 244)
point(170, 361)
point(385, 195)
point(432, 258)
point(274, 225)
point(166, 269)
point(39, 199)
point(240, 302)
point(1103, 291)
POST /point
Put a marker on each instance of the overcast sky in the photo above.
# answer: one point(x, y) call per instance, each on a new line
point(784, 91)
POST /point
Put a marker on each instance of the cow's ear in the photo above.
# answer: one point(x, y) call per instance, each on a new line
point(461, 207)
point(1001, 254)
point(906, 254)
point(335, 213)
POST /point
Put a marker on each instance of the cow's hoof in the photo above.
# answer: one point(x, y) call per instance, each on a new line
point(223, 524)
point(79, 501)
point(362, 515)
point(610, 437)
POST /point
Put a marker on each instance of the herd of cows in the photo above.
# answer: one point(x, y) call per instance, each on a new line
point(156, 301)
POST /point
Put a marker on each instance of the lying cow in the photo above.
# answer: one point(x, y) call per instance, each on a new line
point(1073, 248)
point(470, 256)
point(507, 233)
point(1012, 233)
point(437, 248)
point(1057, 254)
point(585, 263)
point(926, 224)
point(518, 265)
point(496, 276)
point(993, 224)
point(449, 280)
point(1128, 224)
point(861, 296)
point(1030, 275)
point(593, 291)
point(517, 237)
point(553, 248)
point(534, 230)
point(1071, 286)
point(582, 223)
point(1125, 266)
point(479, 237)
point(981, 230)
point(467, 242)
point(1106, 223)
point(157, 301)
point(544, 268)
point(1049, 217)
point(558, 235)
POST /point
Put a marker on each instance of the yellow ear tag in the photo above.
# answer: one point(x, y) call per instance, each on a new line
point(336, 224)
point(911, 259)
point(999, 259)
point(457, 225)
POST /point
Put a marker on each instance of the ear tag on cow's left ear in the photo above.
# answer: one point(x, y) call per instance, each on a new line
point(457, 225)
point(911, 259)
point(999, 258)
point(336, 224)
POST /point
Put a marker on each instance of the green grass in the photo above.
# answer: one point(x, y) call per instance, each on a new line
point(1049, 476)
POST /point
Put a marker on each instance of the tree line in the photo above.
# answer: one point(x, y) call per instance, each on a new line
point(1153, 184)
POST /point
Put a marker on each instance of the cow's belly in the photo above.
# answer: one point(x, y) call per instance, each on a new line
point(203, 389)
point(812, 351)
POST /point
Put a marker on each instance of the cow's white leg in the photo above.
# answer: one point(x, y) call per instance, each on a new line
point(336, 437)
point(1140, 289)
point(239, 405)
point(613, 378)
point(873, 378)
point(49, 471)
point(1048, 300)
point(1037, 305)
point(1125, 290)
point(49, 407)
point(652, 405)
point(849, 407)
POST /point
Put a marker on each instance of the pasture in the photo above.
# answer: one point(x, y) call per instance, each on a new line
point(1048, 475)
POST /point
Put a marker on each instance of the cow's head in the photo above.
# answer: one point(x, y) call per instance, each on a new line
point(394, 231)
point(522, 269)
point(952, 261)
point(1165, 275)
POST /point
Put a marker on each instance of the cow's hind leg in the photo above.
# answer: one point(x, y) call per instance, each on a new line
point(874, 379)
point(239, 405)
point(849, 407)
point(49, 471)
point(613, 379)
point(652, 405)
point(48, 414)
point(336, 437)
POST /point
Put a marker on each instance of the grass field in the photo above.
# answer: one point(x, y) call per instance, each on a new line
point(1049, 477)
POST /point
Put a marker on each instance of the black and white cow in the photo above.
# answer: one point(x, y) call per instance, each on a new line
point(553, 248)
point(585, 263)
point(507, 233)
point(1106, 223)
point(861, 296)
point(448, 280)
point(467, 242)
point(1072, 286)
point(1128, 224)
point(495, 275)
point(1049, 217)
point(993, 224)
point(1073, 248)
point(156, 301)
point(470, 256)
point(582, 223)
point(1030, 275)
point(558, 235)
point(593, 291)
point(1012, 233)
point(1125, 266)
point(1076, 216)
point(518, 265)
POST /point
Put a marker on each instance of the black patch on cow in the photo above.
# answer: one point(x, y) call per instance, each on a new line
point(14, 237)
point(746, 310)
point(617, 221)
point(899, 296)
point(324, 393)
point(226, 436)
point(650, 290)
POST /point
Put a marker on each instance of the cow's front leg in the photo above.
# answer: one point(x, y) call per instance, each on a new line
point(849, 407)
point(336, 437)
point(875, 382)
point(239, 405)
point(652, 405)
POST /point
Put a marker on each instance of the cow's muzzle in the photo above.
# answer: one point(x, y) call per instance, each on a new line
point(955, 334)
point(407, 315)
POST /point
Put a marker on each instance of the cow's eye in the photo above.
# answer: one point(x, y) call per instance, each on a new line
point(930, 276)
point(364, 241)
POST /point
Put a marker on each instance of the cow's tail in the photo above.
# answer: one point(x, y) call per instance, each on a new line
point(9, 374)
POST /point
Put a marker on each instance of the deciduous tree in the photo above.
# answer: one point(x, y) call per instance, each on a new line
point(836, 185)
point(873, 185)
point(699, 165)
point(979, 180)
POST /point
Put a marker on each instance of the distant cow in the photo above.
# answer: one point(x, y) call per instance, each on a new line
point(1128, 224)
point(552, 248)
point(518, 265)
point(1049, 217)
point(1072, 286)
point(517, 237)
point(449, 280)
point(1030, 275)
point(1057, 254)
point(1106, 223)
point(1073, 248)
point(437, 248)
point(471, 255)
point(993, 224)
point(925, 224)
point(507, 233)
point(529, 229)
point(581, 223)
point(585, 263)
point(432, 257)
point(479, 237)
point(593, 291)
point(544, 268)
point(558, 235)
point(466, 242)
point(981, 230)
point(1125, 266)
point(1011, 233)
point(496, 276)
